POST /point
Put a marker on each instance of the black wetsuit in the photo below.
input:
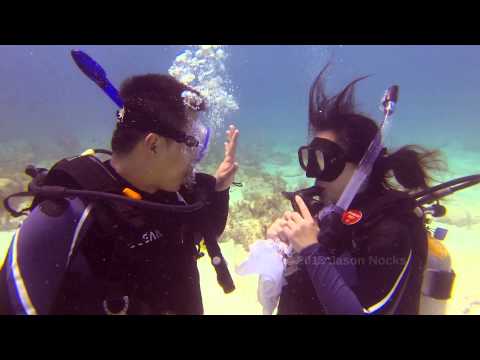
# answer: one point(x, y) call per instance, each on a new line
point(364, 272)
point(157, 268)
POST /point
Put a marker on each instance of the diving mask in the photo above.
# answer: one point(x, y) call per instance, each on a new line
point(322, 159)
point(201, 133)
point(196, 104)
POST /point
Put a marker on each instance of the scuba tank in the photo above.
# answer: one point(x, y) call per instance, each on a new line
point(438, 278)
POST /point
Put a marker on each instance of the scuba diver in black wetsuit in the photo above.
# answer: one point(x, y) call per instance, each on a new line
point(373, 261)
point(121, 236)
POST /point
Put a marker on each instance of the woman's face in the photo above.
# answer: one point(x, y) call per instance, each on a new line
point(334, 189)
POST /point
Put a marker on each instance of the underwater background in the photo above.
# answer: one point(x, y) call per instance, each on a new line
point(49, 110)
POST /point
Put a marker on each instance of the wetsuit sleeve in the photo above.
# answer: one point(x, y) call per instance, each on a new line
point(380, 271)
point(213, 218)
point(218, 211)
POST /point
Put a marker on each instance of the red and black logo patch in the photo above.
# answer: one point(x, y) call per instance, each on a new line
point(351, 217)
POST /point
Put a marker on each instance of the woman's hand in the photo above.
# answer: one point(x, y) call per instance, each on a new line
point(225, 173)
point(275, 231)
point(299, 230)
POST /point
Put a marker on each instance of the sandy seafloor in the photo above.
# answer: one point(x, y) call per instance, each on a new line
point(463, 243)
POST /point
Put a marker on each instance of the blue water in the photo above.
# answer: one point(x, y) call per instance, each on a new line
point(42, 89)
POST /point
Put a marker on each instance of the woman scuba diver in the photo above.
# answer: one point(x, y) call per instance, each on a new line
point(373, 262)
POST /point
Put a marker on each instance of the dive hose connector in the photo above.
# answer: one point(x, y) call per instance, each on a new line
point(436, 210)
point(332, 227)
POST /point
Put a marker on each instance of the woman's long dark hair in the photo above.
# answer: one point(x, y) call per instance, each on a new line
point(411, 165)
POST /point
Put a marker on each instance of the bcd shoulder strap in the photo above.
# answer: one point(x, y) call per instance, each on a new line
point(393, 203)
point(88, 172)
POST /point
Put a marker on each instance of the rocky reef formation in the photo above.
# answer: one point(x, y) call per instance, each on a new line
point(15, 155)
point(262, 203)
point(8, 186)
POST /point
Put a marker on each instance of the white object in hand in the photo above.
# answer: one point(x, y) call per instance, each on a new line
point(267, 259)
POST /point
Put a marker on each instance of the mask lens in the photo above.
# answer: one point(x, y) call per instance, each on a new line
point(202, 134)
point(320, 159)
point(304, 158)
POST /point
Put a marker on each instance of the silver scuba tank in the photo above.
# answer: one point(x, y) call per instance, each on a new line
point(438, 278)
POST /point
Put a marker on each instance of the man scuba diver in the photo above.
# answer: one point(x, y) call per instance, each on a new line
point(371, 258)
point(121, 236)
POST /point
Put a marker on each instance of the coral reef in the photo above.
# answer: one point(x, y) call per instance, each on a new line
point(16, 183)
point(15, 155)
point(262, 203)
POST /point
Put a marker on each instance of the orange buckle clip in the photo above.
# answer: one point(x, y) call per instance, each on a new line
point(131, 194)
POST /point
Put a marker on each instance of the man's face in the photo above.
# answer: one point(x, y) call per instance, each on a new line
point(179, 159)
point(176, 164)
